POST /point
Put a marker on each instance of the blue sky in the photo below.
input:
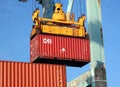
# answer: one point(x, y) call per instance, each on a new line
point(15, 28)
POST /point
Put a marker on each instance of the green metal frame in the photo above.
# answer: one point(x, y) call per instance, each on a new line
point(96, 43)
point(97, 71)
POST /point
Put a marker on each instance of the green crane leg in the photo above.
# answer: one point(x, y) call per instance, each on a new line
point(98, 70)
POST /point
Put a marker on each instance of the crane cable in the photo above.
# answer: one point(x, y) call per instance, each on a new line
point(80, 7)
point(58, 1)
point(84, 7)
point(33, 5)
point(76, 9)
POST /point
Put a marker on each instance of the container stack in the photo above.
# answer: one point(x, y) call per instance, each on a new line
point(59, 41)
point(49, 55)
point(58, 51)
point(19, 74)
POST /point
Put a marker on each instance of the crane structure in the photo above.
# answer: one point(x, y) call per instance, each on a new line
point(58, 24)
point(53, 19)
point(96, 77)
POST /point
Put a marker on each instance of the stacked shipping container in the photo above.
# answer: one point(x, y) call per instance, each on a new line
point(72, 51)
point(46, 48)
point(16, 74)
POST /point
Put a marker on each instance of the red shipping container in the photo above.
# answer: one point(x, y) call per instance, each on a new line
point(16, 74)
point(72, 51)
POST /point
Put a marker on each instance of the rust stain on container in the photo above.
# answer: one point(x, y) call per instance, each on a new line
point(16, 74)
point(62, 49)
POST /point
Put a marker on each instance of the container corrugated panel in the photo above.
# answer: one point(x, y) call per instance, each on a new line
point(15, 74)
point(72, 49)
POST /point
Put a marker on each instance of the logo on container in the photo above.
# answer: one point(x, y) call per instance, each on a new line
point(63, 49)
point(47, 41)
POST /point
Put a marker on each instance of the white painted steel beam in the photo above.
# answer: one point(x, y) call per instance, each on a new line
point(70, 5)
point(69, 9)
point(83, 80)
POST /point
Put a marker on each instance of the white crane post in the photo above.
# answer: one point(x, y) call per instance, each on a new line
point(69, 8)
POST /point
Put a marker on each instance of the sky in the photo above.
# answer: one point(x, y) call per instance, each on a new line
point(16, 25)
